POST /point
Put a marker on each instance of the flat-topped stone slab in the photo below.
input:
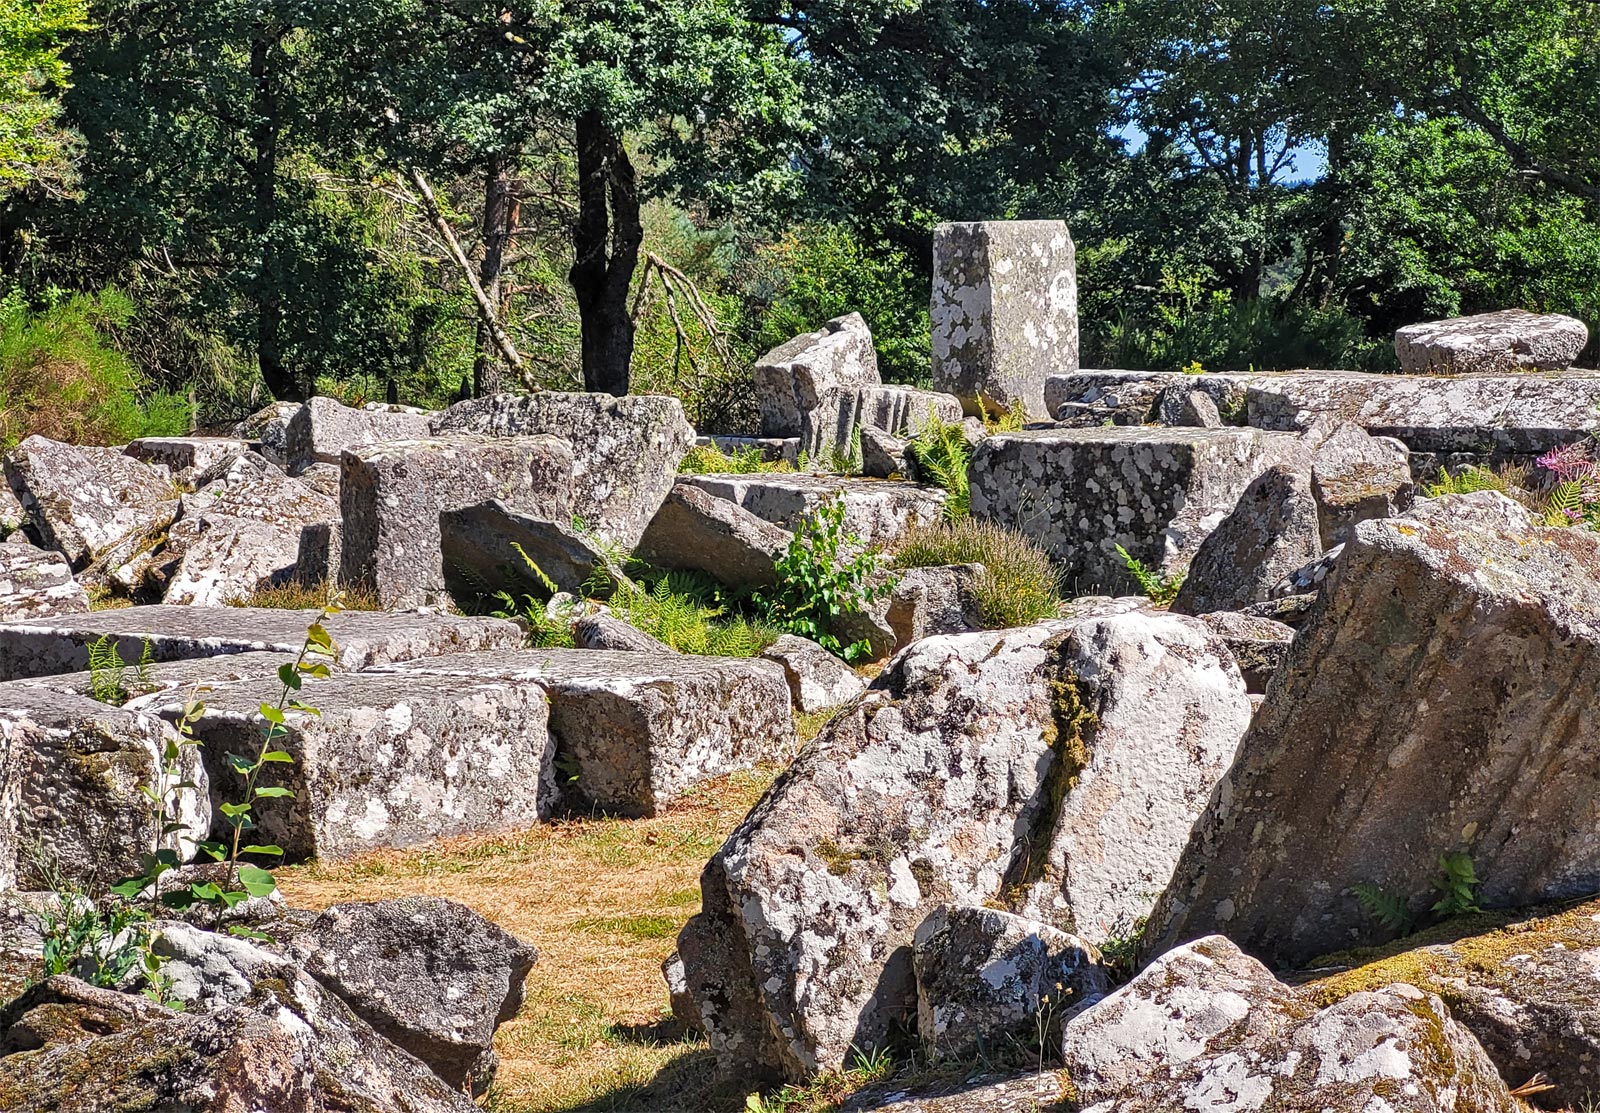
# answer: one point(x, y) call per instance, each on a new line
point(878, 511)
point(165, 676)
point(641, 728)
point(1509, 340)
point(36, 583)
point(46, 646)
point(1157, 492)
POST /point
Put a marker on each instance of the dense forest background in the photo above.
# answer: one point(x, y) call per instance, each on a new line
point(206, 204)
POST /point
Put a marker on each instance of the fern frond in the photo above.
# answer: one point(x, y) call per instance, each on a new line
point(1386, 908)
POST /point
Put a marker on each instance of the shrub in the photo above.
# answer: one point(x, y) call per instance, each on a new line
point(676, 610)
point(942, 456)
point(1019, 585)
point(817, 584)
point(1161, 589)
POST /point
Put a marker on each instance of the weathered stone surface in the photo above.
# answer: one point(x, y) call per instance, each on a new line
point(1434, 704)
point(480, 543)
point(625, 451)
point(1306, 581)
point(684, 1010)
point(187, 457)
point(1093, 398)
point(267, 431)
point(1057, 766)
point(12, 516)
point(82, 500)
point(37, 584)
point(641, 728)
point(696, 530)
point(817, 679)
point(1356, 477)
point(393, 494)
point(1525, 990)
point(1178, 404)
point(214, 559)
point(877, 511)
point(159, 676)
point(773, 449)
point(46, 646)
point(430, 975)
point(80, 765)
point(1158, 492)
point(1205, 1026)
point(1258, 645)
point(320, 553)
point(1270, 533)
point(986, 1094)
point(1005, 311)
point(322, 430)
point(883, 454)
point(1491, 343)
point(391, 761)
point(255, 489)
point(983, 975)
point(806, 374)
point(836, 429)
point(905, 411)
point(601, 631)
point(939, 599)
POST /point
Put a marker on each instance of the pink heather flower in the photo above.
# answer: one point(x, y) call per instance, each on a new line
point(1568, 462)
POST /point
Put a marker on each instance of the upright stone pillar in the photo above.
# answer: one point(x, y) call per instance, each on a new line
point(1005, 311)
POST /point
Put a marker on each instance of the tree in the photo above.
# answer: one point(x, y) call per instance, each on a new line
point(32, 144)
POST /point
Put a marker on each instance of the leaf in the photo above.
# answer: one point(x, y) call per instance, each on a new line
point(210, 891)
point(267, 849)
point(318, 670)
point(257, 881)
point(131, 888)
point(279, 756)
point(272, 792)
point(240, 765)
point(233, 811)
point(271, 714)
point(317, 635)
point(289, 677)
point(216, 850)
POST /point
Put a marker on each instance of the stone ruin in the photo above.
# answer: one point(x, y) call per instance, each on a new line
point(1354, 683)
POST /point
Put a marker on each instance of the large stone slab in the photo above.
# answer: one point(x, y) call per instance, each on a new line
point(696, 530)
point(639, 729)
point(806, 374)
point(1494, 343)
point(187, 457)
point(322, 430)
point(83, 500)
point(1271, 533)
point(1157, 492)
point(48, 646)
point(877, 511)
point(214, 559)
point(267, 431)
point(1005, 311)
point(1438, 701)
point(487, 547)
point(1054, 769)
point(625, 451)
point(35, 583)
point(393, 495)
point(828, 431)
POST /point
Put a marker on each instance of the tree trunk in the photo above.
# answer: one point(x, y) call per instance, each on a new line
point(499, 226)
point(605, 244)
point(264, 181)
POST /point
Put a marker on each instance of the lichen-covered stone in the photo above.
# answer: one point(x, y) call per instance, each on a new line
point(392, 760)
point(213, 559)
point(1029, 1093)
point(82, 500)
point(883, 455)
point(47, 646)
point(808, 373)
point(1437, 702)
point(35, 583)
point(81, 766)
point(1093, 398)
point(1080, 493)
point(430, 975)
point(1004, 312)
point(879, 512)
point(1355, 477)
point(829, 432)
point(817, 679)
point(187, 457)
point(1272, 532)
point(1055, 768)
point(984, 975)
point(267, 431)
point(601, 631)
point(625, 451)
point(1258, 645)
point(640, 729)
point(696, 530)
point(1491, 343)
point(489, 544)
point(1207, 1027)
point(393, 494)
point(255, 489)
point(1180, 404)
point(322, 430)
point(939, 599)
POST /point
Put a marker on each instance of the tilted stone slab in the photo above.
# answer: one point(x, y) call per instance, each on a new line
point(187, 457)
point(1157, 492)
point(83, 500)
point(35, 583)
point(1269, 534)
point(642, 728)
point(49, 646)
point(1057, 767)
point(323, 429)
point(267, 431)
point(214, 559)
point(1004, 311)
point(625, 451)
point(488, 545)
point(696, 530)
point(807, 374)
point(1494, 343)
point(392, 759)
point(393, 495)
point(877, 511)
point(1439, 700)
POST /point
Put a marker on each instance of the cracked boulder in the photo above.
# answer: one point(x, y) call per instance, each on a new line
point(802, 375)
point(322, 430)
point(35, 583)
point(817, 679)
point(877, 512)
point(1055, 769)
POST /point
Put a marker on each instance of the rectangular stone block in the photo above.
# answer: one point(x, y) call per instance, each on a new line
point(799, 376)
point(323, 429)
point(1005, 311)
point(187, 456)
point(48, 646)
point(1157, 492)
point(877, 511)
point(636, 729)
point(35, 583)
point(393, 494)
point(828, 430)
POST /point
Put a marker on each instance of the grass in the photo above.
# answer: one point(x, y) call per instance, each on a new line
point(710, 460)
point(296, 596)
point(1019, 585)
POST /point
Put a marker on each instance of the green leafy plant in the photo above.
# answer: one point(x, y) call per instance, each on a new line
point(1008, 420)
point(1456, 885)
point(101, 946)
point(942, 455)
point(1019, 584)
point(1160, 589)
point(1388, 909)
point(818, 584)
point(708, 459)
point(690, 617)
point(847, 459)
point(108, 672)
point(1469, 480)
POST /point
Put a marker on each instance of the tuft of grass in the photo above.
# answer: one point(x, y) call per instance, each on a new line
point(1160, 588)
point(1019, 585)
point(708, 459)
point(296, 596)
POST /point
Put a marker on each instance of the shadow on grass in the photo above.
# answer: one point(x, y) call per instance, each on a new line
point(686, 1085)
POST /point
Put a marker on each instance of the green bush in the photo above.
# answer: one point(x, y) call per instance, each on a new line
point(1019, 585)
point(60, 377)
point(687, 620)
point(818, 584)
point(710, 460)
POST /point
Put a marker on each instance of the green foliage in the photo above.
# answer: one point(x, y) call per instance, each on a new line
point(108, 673)
point(1160, 589)
point(710, 460)
point(100, 945)
point(942, 456)
point(687, 614)
point(32, 34)
point(1456, 885)
point(1390, 911)
point(818, 583)
point(1468, 480)
point(1019, 586)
